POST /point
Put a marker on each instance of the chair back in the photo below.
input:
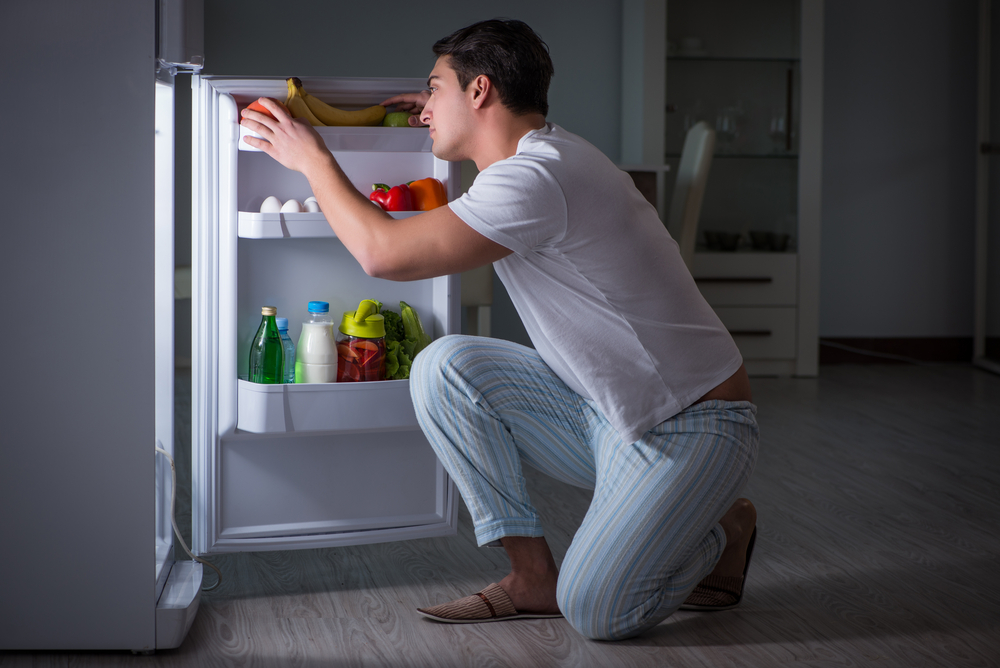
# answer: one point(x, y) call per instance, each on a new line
point(689, 190)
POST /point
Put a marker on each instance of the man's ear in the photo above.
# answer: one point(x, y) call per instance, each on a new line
point(481, 87)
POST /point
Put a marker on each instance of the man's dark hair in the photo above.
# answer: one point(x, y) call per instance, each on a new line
point(511, 54)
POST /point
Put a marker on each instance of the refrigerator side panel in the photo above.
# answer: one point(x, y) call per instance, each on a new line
point(77, 466)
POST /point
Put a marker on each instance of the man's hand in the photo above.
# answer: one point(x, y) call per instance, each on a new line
point(411, 102)
point(290, 141)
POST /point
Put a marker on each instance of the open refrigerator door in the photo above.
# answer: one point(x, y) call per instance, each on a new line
point(178, 582)
point(311, 464)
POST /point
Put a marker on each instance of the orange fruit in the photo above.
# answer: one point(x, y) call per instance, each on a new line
point(257, 106)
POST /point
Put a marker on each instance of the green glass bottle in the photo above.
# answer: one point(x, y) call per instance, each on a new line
point(267, 354)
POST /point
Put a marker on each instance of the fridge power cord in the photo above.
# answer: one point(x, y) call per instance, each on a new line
point(173, 520)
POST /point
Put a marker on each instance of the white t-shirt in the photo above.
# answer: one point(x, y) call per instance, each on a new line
point(598, 281)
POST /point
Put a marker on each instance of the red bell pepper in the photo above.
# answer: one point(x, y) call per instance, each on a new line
point(397, 198)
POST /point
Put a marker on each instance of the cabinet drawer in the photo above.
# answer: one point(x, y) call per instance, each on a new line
point(746, 279)
point(761, 333)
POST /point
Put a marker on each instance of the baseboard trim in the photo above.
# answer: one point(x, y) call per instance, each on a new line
point(903, 349)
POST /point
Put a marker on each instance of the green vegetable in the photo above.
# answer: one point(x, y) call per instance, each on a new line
point(404, 338)
point(413, 328)
point(397, 361)
point(393, 326)
point(391, 360)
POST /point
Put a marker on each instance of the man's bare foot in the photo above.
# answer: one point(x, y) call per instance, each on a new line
point(738, 523)
point(531, 583)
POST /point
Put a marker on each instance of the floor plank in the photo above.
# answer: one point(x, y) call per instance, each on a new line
point(878, 492)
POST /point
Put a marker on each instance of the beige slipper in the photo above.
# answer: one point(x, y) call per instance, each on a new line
point(490, 605)
point(720, 592)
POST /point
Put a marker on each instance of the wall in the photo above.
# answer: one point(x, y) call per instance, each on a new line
point(898, 169)
point(899, 127)
point(322, 38)
point(993, 232)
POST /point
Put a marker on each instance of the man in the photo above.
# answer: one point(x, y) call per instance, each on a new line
point(634, 390)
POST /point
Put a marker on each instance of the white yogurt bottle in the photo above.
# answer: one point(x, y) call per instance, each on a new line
point(316, 356)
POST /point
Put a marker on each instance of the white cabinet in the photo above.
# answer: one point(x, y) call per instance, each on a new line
point(754, 72)
point(311, 465)
point(755, 295)
point(747, 279)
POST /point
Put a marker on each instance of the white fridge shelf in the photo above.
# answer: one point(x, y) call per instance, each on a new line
point(382, 406)
point(368, 139)
point(291, 225)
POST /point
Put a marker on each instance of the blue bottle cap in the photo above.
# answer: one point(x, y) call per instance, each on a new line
point(281, 322)
point(319, 307)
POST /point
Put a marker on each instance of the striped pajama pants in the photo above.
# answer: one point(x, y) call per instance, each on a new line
point(488, 406)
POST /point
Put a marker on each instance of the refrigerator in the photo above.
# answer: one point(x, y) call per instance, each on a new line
point(90, 559)
point(277, 467)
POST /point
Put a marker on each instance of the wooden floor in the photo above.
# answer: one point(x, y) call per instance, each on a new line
point(878, 491)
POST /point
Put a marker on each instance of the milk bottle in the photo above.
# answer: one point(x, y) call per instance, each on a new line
point(316, 356)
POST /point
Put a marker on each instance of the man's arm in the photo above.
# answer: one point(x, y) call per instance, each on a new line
point(430, 244)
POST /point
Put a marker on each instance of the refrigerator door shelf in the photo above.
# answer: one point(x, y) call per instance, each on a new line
point(341, 407)
point(376, 139)
point(291, 225)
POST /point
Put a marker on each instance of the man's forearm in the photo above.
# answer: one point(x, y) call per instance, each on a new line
point(357, 222)
point(427, 244)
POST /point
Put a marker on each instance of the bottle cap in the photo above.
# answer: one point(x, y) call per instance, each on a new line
point(319, 307)
point(365, 322)
point(282, 323)
point(269, 310)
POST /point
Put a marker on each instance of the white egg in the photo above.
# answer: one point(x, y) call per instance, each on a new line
point(292, 206)
point(271, 205)
point(312, 206)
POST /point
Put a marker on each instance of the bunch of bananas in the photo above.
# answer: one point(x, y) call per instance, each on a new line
point(319, 113)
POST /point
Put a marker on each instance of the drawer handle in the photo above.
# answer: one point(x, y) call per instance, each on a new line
point(750, 332)
point(734, 279)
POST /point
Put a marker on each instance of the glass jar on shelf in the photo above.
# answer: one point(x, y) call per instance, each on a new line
point(361, 344)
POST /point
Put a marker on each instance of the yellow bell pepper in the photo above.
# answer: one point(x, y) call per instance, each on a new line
point(427, 194)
